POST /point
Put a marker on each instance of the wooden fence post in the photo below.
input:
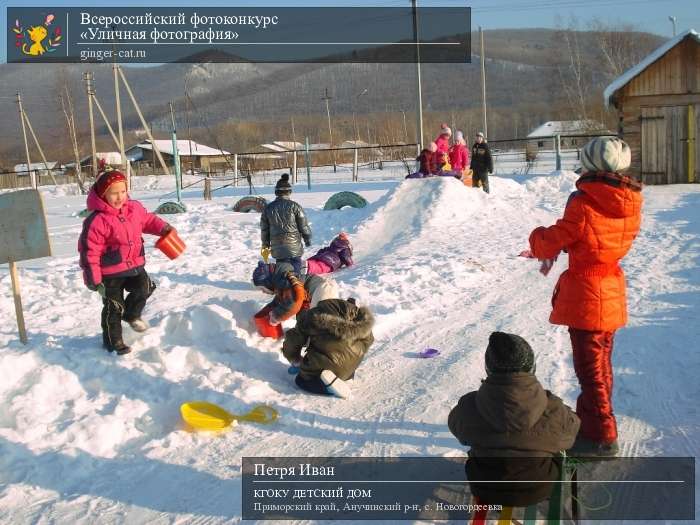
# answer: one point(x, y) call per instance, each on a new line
point(18, 303)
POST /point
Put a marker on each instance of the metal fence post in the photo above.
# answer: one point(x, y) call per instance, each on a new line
point(295, 178)
point(354, 165)
point(235, 169)
point(557, 146)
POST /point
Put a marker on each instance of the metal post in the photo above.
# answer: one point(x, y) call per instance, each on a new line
point(483, 82)
point(295, 177)
point(354, 165)
point(176, 156)
point(557, 146)
point(34, 180)
point(419, 113)
point(235, 169)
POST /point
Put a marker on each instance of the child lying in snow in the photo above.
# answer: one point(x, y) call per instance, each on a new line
point(291, 294)
point(333, 257)
point(337, 335)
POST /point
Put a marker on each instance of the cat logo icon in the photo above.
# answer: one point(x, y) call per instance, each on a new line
point(35, 40)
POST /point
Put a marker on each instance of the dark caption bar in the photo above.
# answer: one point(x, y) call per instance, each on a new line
point(437, 489)
point(188, 34)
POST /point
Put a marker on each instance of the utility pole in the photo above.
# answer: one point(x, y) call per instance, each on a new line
point(125, 163)
point(330, 130)
point(88, 77)
point(67, 107)
point(483, 82)
point(26, 144)
point(419, 113)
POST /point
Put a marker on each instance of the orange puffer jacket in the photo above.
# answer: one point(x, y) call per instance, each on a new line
point(600, 222)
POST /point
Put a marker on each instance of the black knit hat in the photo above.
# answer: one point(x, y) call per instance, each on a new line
point(508, 353)
point(283, 187)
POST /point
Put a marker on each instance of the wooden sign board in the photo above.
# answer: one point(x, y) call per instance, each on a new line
point(23, 231)
point(23, 235)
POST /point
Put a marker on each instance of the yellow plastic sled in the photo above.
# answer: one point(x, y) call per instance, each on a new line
point(202, 415)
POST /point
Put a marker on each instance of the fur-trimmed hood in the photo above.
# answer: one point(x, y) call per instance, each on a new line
point(341, 319)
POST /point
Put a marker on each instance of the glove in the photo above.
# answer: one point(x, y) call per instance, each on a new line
point(265, 253)
point(100, 289)
point(547, 266)
point(166, 230)
point(273, 319)
point(307, 242)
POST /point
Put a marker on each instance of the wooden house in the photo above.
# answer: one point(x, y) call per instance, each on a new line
point(658, 105)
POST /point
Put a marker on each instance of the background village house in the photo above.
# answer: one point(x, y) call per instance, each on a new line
point(193, 156)
point(658, 105)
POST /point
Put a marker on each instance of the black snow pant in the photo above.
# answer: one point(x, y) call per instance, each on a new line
point(115, 308)
point(483, 178)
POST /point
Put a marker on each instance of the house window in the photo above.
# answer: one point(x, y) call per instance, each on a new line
point(540, 143)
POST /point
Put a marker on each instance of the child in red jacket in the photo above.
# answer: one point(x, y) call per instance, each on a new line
point(112, 255)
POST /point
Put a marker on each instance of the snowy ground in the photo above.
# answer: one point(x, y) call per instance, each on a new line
point(88, 437)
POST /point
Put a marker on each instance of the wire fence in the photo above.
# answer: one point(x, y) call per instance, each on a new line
point(518, 156)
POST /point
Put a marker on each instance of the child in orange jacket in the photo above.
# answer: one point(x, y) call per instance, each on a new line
point(600, 221)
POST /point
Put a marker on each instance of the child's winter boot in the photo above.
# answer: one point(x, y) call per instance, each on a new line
point(138, 324)
point(334, 385)
point(119, 347)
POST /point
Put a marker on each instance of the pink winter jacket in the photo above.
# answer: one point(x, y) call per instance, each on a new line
point(443, 143)
point(111, 241)
point(459, 157)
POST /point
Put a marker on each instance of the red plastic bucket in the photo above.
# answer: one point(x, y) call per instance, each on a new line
point(171, 244)
point(265, 329)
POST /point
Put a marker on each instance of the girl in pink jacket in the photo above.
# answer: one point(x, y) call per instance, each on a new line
point(443, 140)
point(459, 154)
point(112, 255)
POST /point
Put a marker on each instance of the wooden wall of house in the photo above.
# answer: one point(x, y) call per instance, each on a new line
point(653, 108)
point(677, 72)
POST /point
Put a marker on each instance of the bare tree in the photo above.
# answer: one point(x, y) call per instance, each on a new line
point(574, 74)
point(621, 46)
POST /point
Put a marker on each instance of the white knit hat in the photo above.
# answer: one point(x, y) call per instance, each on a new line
point(481, 134)
point(444, 128)
point(459, 135)
point(609, 154)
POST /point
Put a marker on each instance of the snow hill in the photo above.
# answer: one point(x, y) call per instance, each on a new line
point(86, 437)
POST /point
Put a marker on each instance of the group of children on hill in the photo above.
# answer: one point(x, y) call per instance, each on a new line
point(440, 159)
point(510, 415)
